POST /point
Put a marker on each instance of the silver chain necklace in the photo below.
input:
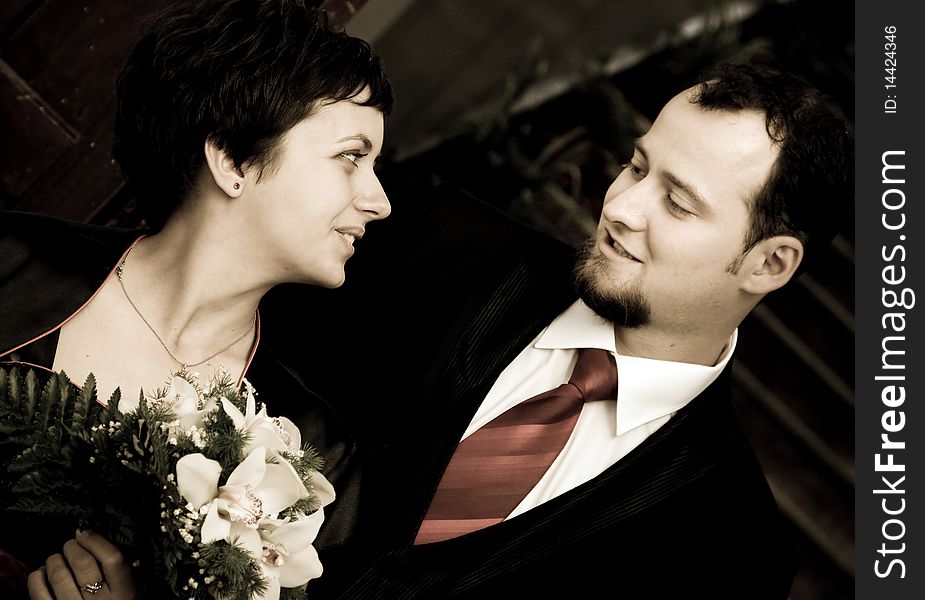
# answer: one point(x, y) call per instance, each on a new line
point(120, 270)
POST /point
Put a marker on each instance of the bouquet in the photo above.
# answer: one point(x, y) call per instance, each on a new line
point(206, 494)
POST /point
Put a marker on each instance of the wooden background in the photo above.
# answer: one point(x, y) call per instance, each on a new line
point(58, 63)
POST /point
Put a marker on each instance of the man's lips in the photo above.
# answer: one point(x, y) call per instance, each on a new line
point(611, 245)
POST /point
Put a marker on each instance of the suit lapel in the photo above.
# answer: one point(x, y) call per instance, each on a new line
point(513, 315)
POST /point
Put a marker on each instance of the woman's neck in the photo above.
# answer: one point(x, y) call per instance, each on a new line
point(194, 284)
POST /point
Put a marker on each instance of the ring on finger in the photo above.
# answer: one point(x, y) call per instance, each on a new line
point(92, 588)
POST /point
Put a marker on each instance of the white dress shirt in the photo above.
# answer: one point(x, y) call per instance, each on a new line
point(648, 394)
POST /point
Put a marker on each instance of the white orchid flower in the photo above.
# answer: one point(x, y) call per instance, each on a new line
point(278, 433)
point(245, 508)
point(323, 489)
point(183, 399)
point(254, 489)
point(288, 558)
point(181, 396)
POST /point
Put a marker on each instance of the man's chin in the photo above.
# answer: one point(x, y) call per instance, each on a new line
point(626, 307)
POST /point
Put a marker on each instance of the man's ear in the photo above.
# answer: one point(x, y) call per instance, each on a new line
point(770, 264)
point(226, 175)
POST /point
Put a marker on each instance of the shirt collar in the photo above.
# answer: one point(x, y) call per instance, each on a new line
point(648, 388)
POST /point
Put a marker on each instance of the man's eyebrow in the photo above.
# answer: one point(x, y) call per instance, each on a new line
point(367, 145)
point(689, 189)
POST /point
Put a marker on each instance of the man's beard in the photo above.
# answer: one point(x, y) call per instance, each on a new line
point(623, 304)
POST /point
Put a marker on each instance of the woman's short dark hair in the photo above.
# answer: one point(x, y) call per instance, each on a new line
point(238, 72)
point(811, 185)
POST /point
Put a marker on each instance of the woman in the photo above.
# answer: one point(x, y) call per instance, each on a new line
point(248, 132)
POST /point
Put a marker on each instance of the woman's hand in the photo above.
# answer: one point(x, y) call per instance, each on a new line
point(90, 567)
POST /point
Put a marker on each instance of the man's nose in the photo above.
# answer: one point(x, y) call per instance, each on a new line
point(630, 206)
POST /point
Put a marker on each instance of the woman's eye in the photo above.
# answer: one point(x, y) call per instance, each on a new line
point(353, 156)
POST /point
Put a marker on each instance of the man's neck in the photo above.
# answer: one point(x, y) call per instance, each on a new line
point(690, 347)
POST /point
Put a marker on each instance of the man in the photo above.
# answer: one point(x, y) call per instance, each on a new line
point(460, 316)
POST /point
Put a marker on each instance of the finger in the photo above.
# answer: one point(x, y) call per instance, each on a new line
point(82, 563)
point(116, 572)
point(58, 574)
point(37, 586)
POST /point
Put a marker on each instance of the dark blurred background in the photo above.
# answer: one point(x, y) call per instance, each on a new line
point(531, 105)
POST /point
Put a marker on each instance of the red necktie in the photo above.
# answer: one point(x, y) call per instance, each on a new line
point(493, 469)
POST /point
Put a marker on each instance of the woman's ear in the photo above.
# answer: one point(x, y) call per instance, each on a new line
point(226, 175)
point(770, 264)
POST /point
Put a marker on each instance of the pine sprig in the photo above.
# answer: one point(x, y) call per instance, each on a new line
point(238, 571)
point(296, 593)
point(224, 443)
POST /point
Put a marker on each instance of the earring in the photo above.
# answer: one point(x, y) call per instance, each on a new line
point(237, 185)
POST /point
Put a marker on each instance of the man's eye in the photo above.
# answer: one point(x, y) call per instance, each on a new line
point(676, 208)
point(634, 170)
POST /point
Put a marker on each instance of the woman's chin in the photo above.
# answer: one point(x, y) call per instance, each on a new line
point(333, 278)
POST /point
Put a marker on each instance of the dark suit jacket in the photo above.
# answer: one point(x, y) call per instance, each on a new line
point(439, 299)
